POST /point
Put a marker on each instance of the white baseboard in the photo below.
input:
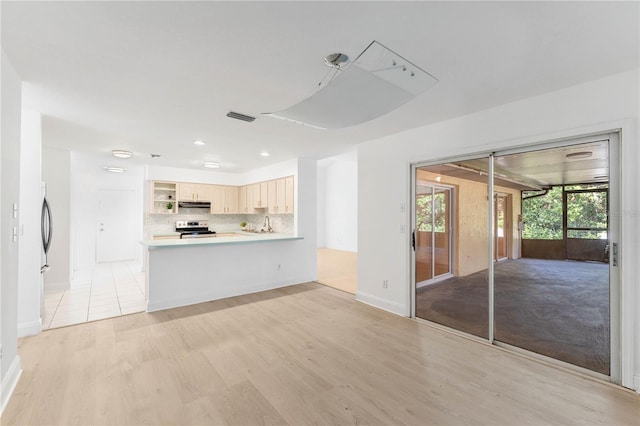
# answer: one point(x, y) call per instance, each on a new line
point(158, 305)
point(9, 383)
point(30, 328)
point(380, 303)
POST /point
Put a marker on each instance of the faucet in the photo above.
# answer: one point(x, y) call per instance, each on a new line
point(267, 224)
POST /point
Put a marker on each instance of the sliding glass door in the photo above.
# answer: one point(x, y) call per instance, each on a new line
point(535, 268)
point(433, 232)
point(450, 292)
point(501, 226)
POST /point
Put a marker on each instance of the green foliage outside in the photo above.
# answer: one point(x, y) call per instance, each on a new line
point(423, 212)
point(543, 215)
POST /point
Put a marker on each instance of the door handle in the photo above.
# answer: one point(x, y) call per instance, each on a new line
point(413, 239)
point(614, 251)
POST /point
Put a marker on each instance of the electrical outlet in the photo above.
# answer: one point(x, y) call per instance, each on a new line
point(385, 283)
point(278, 267)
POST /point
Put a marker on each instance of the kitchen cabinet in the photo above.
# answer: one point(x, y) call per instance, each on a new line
point(260, 195)
point(217, 199)
point(194, 192)
point(163, 197)
point(245, 199)
point(231, 199)
point(280, 195)
point(224, 199)
point(275, 196)
point(288, 194)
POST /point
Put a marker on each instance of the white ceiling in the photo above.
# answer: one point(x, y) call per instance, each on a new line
point(152, 77)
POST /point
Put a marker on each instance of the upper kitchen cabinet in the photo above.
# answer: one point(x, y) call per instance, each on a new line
point(163, 197)
point(245, 199)
point(224, 199)
point(275, 195)
point(194, 192)
point(231, 199)
point(217, 199)
point(288, 194)
point(260, 191)
point(280, 195)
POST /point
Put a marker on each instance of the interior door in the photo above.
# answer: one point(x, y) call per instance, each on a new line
point(115, 239)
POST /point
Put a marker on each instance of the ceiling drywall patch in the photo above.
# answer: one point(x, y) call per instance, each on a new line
point(374, 84)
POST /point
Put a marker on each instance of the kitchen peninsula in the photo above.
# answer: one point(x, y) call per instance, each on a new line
point(195, 250)
point(182, 272)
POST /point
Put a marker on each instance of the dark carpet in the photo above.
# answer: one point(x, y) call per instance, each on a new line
point(556, 308)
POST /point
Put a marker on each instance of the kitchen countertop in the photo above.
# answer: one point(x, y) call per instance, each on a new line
point(240, 237)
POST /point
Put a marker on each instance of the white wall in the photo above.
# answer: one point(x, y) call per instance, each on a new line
point(10, 95)
point(306, 216)
point(175, 174)
point(338, 202)
point(29, 291)
point(596, 106)
point(56, 174)
point(87, 178)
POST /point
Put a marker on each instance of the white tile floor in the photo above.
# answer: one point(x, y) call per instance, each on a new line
point(105, 290)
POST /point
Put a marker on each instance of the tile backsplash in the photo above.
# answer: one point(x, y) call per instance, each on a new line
point(162, 223)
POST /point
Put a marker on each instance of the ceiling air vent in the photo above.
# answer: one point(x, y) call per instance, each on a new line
point(239, 116)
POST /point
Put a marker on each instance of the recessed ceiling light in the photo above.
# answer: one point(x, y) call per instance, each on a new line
point(199, 142)
point(212, 165)
point(264, 154)
point(114, 169)
point(121, 154)
point(578, 155)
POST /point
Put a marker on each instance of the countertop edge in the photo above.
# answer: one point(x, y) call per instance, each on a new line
point(245, 239)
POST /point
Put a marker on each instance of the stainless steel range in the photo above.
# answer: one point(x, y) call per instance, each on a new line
point(194, 229)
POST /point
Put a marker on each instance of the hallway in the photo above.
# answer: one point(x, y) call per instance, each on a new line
point(102, 291)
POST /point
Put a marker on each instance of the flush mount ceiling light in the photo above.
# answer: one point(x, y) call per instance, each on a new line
point(579, 155)
point(121, 154)
point(264, 154)
point(199, 142)
point(115, 169)
point(212, 165)
point(375, 83)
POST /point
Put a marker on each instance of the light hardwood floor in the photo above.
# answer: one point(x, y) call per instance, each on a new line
point(305, 354)
point(338, 269)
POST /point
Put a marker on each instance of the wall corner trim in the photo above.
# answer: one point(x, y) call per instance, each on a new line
point(380, 303)
point(9, 383)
